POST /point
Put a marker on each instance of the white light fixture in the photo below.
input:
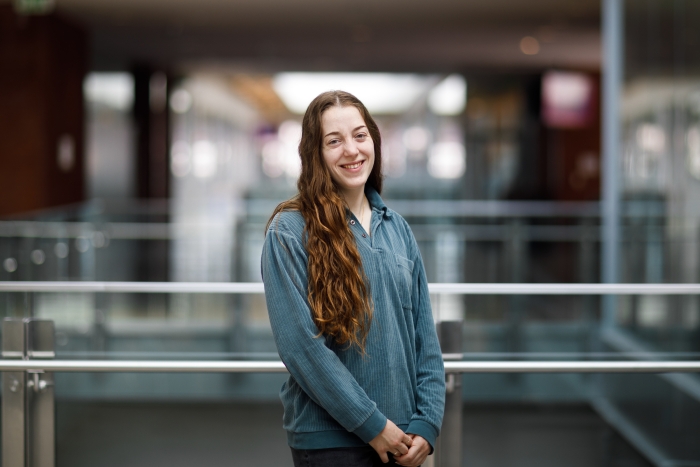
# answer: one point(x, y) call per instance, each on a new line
point(566, 90)
point(416, 138)
point(281, 155)
point(382, 93)
point(180, 160)
point(181, 101)
point(449, 97)
point(651, 138)
point(566, 99)
point(112, 89)
point(289, 132)
point(204, 159)
point(273, 158)
point(447, 160)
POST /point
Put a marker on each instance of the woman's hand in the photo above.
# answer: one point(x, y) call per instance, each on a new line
point(417, 453)
point(391, 439)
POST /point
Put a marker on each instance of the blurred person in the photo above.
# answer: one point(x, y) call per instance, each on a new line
point(348, 301)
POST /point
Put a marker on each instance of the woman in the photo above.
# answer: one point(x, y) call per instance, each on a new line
point(349, 306)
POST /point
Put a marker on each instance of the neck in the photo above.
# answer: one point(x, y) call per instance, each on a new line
point(354, 200)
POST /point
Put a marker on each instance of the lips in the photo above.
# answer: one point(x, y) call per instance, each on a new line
point(354, 165)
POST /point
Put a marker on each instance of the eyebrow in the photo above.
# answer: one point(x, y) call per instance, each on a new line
point(353, 130)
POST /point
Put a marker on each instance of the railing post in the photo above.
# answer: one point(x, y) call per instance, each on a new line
point(41, 450)
point(612, 16)
point(28, 414)
point(14, 386)
point(449, 449)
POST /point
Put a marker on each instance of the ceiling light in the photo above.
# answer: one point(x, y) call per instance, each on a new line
point(529, 45)
point(382, 93)
point(447, 160)
point(449, 97)
point(113, 89)
point(181, 101)
point(651, 138)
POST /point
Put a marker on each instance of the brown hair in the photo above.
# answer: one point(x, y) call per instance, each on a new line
point(337, 292)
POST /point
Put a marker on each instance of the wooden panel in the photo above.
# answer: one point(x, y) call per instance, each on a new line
point(574, 157)
point(42, 65)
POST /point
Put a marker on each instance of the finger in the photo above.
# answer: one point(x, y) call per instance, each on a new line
point(407, 440)
point(421, 456)
point(401, 449)
point(384, 457)
point(406, 459)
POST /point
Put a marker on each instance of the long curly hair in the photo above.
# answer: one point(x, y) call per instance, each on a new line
point(339, 296)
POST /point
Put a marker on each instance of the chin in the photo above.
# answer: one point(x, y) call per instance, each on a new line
point(351, 186)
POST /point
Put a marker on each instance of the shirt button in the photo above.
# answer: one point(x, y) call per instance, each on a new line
point(364, 235)
point(352, 222)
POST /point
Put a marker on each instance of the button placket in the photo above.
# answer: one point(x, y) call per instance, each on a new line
point(362, 232)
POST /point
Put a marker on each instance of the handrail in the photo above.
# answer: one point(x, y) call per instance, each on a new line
point(436, 288)
point(188, 366)
point(417, 207)
point(114, 230)
point(133, 287)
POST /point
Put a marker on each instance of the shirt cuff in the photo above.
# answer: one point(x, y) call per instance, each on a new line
point(424, 430)
point(371, 427)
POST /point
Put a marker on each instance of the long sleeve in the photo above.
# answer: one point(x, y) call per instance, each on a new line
point(430, 370)
point(312, 364)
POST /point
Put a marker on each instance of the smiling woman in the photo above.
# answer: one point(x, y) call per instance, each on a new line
point(348, 151)
point(349, 306)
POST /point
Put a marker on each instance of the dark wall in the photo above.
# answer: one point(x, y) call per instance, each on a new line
point(42, 66)
point(151, 120)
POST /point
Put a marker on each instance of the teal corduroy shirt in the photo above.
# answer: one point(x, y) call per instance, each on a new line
point(336, 397)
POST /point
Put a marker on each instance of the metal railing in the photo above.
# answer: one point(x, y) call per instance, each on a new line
point(188, 366)
point(435, 288)
point(28, 383)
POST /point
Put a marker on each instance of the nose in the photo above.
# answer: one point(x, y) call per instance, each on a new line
point(351, 148)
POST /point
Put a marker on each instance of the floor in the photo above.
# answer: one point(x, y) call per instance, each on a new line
point(118, 434)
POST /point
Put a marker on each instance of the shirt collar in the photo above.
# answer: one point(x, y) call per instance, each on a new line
point(376, 201)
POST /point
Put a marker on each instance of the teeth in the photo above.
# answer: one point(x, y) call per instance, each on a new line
point(353, 166)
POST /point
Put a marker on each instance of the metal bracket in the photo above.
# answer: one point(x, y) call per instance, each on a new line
point(36, 383)
point(450, 383)
point(28, 412)
point(448, 452)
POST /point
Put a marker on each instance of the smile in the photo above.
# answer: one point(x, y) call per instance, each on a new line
point(353, 166)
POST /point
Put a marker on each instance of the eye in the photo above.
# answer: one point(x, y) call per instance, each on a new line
point(361, 136)
point(332, 142)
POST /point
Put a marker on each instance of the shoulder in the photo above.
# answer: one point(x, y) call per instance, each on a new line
point(401, 232)
point(288, 223)
point(283, 238)
point(398, 221)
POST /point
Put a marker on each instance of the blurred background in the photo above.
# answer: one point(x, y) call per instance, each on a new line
point(151, 140)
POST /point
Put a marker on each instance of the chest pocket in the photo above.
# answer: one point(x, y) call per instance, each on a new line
point(403, 277)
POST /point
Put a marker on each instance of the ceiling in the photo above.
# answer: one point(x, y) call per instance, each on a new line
point(368, 35)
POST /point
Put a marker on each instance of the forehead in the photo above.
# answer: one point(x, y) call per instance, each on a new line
point(341, 119)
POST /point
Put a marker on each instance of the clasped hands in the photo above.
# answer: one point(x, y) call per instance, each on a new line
point(409, 450)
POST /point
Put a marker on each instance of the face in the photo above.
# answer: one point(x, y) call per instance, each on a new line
point(347, 148)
